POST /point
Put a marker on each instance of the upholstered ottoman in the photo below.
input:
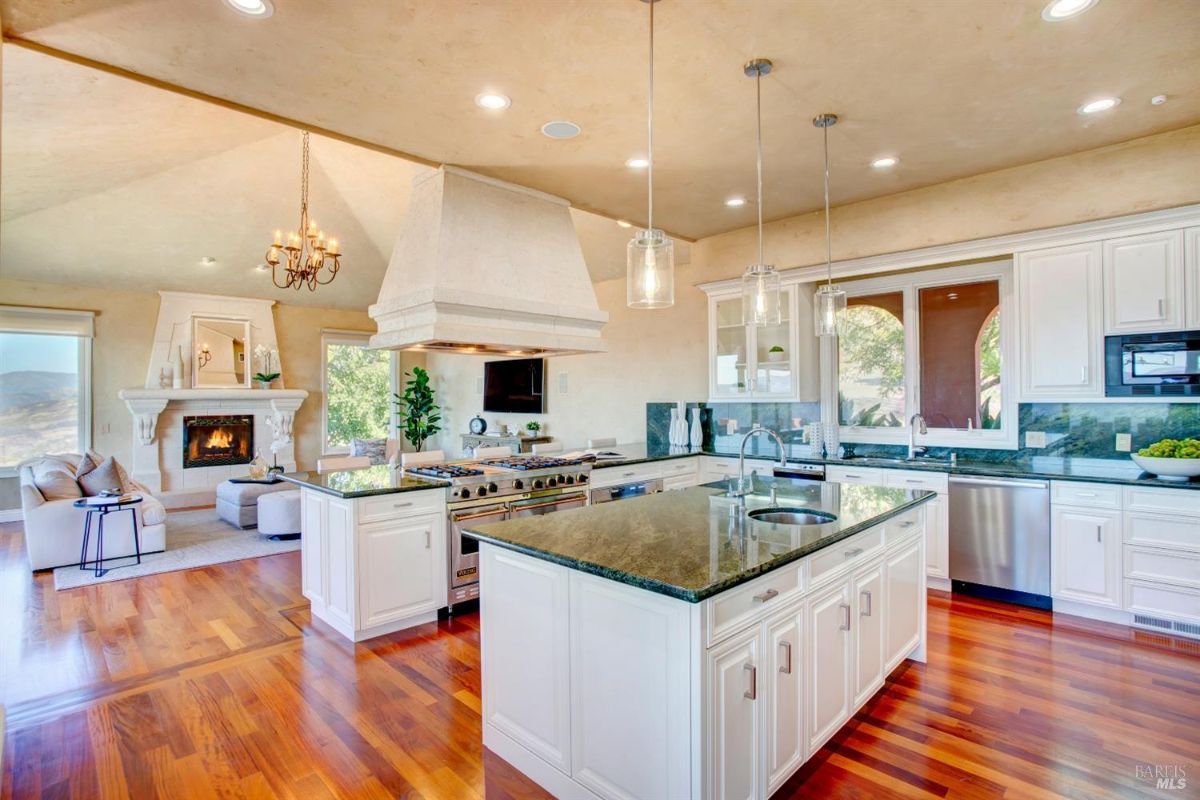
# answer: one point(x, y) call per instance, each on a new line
point(237, 503)
point(279, 515)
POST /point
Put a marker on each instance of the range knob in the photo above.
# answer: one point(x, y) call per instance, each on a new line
point(582, 479)
point(464, 494)
point(481, 491)
point(538, 484)
point(552, 482)
point(518, 484)
point(569, 480)
point(493, 488)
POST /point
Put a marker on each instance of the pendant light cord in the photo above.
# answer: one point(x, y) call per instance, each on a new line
point(304, 180)
point(650, 128)
point(828, 235)
point(758, 112)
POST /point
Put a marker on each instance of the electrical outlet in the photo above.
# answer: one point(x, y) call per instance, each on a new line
point(1035, 438)
point(1124, 442)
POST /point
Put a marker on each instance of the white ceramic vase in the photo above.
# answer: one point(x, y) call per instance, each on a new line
point(697, 433)
point(177, 368)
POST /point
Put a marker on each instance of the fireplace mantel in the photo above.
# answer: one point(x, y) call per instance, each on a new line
point(212, 394)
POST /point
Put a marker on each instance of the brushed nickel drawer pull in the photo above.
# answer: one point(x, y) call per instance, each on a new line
point(867, 594)
point(857, 551)
point(907, 524)
point(786, 668)
point(752, 692)
point(769, 594)
point(845, 607)
point(401, 505)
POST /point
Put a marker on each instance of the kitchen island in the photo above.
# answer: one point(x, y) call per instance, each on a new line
point(674, 646)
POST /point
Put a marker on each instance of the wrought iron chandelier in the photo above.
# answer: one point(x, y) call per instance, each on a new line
point(305, 254)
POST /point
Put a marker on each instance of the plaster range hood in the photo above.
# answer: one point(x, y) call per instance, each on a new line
point(487, 267)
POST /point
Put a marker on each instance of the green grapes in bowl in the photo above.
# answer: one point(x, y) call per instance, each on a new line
point(1171, 459)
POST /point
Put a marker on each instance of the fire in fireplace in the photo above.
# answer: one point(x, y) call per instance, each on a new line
point(217, 441)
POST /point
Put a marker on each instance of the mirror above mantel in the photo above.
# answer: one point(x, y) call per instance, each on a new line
point(220, 353)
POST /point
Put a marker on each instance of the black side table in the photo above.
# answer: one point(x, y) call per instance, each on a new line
point(102, 510)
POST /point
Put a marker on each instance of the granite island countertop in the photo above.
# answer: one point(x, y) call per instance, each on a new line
point(363, 482)
point(686, 543)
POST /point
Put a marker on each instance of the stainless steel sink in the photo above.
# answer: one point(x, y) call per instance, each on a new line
point(792, 516)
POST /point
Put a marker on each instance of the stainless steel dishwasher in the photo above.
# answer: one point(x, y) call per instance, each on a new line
point(1000, 539)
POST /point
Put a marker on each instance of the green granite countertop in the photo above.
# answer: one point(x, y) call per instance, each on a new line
point(364, 482)
point(687, 544)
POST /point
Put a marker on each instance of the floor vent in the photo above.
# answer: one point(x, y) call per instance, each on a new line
point(1182, 628)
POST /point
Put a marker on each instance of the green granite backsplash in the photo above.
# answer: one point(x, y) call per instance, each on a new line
point(1072, 429)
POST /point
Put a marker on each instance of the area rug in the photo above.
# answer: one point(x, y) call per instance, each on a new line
point(195, 538)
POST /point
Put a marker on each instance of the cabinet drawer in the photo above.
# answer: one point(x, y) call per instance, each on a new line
point(1159, 600)
point(868, 475)
point(728, 466)
point(844, 555)
point(913, 479)
point(1168, 501)
point(1162, 530)
point(903, 526)
point(611, 476)
point(749, 603)
point(1088, 495)
point(402, 504)
point(1166, 566)
point(679, 466)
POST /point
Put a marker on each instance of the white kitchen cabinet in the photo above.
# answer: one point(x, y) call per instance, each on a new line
point(1191, 276)
point(1144, 283)
point(830, 661)
point(869, 644)
point(905, 598)
point(786, 747)
point(313, 510)
point(749, 362)
point(1085, 555)
point(737, 718)
point(937, 520)
point(1060, 302)
point(680, 473)
point(385, 546)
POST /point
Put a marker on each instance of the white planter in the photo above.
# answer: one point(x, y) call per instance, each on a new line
point(1171, 469)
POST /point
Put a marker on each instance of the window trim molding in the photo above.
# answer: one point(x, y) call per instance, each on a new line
point(350, 337)
point(910, 283)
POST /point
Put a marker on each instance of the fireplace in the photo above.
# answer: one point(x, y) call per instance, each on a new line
point(217, 441)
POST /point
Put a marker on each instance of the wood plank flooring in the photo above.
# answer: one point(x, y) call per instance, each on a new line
point(216, 683)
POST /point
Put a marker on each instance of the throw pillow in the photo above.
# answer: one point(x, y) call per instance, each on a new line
point(374, 449)
point(86, 465)
point(104, 476)
point(56, 484)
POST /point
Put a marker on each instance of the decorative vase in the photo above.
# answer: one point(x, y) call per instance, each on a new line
point(258, 467)
point(697, 433)
point(264, 384)
point(673, 428)
point(177, 368)
point(776, 355)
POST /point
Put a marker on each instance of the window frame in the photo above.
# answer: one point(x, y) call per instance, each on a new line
point(28, 321)
point(359, 339)
point(910, 284)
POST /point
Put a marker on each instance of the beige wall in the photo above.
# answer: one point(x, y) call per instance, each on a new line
point(661, 355)
point(125, 330)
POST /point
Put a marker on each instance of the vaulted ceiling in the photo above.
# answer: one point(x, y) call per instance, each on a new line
point(952, 88)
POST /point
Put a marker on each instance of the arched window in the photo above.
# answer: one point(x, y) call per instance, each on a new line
point(871, 361)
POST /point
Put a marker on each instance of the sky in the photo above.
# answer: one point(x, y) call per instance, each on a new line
point(20, 352)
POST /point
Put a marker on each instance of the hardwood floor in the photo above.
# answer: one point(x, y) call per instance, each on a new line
point(216, 683)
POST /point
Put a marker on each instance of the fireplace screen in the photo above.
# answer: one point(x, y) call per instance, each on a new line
point(217, 441)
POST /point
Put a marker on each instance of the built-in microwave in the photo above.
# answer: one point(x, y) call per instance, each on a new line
point(1152, 364)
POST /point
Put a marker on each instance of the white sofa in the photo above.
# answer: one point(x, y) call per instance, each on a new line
point(54, 528)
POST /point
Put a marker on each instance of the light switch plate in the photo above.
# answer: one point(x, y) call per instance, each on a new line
point(1035, 438)
point(562, 383)
point(1124, 442)
point(479, 385)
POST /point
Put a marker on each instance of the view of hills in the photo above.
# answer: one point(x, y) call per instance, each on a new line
point(38, 414)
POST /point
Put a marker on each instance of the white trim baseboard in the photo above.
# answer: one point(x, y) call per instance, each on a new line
point(11, 515)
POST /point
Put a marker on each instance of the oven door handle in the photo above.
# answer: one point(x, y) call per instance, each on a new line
point(459, 516)
point(557, 501)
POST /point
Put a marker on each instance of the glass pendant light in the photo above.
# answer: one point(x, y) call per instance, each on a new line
point(650, 257)
point(829, 299)
point(760, 283)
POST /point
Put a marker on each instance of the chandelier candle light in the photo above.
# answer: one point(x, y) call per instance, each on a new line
point(829, 299)
point(307, 252)
point(650, 257)
point(760, 283)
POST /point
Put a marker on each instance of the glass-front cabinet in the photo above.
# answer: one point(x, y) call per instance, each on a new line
point(751, 362)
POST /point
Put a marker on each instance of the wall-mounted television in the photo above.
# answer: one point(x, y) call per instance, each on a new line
point(514, 387)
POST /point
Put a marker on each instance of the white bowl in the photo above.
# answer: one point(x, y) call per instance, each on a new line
point(1170, 469)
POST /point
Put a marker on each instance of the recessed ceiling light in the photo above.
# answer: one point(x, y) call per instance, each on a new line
point(561, 129)
point(252, 8)
point(1096, 106)
point(885, 162)
point(1059, 10)
point(492, 102)
point(1158, 99)
point(735, 202)
point(624, 223)
point(207, 261)
point(637, 163)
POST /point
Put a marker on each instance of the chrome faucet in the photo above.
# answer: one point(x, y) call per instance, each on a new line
point(742, 491)
point(913, 449)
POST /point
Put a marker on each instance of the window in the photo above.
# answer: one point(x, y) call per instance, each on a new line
point(933, 343)
point(45, 383)
point(357, 388)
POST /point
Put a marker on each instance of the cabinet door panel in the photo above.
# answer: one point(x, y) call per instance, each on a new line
point(870, 617)
point(1086, 555)
point(785, 712)
point(1059, 293)
point(1143, 283)
point(904, 601)
point(397, 569)
point(735, 699)
point(937, 537)
point(729, 348)
point(312, 544)
point(338, 564)
point(1191, 277)
point(830, 618)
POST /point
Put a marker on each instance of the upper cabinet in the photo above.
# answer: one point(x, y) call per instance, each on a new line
point(1191, 277)
point(1061, 333)
point(1144, 283)
point(751, 363)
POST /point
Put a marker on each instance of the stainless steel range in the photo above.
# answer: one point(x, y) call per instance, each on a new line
point(497, 490)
